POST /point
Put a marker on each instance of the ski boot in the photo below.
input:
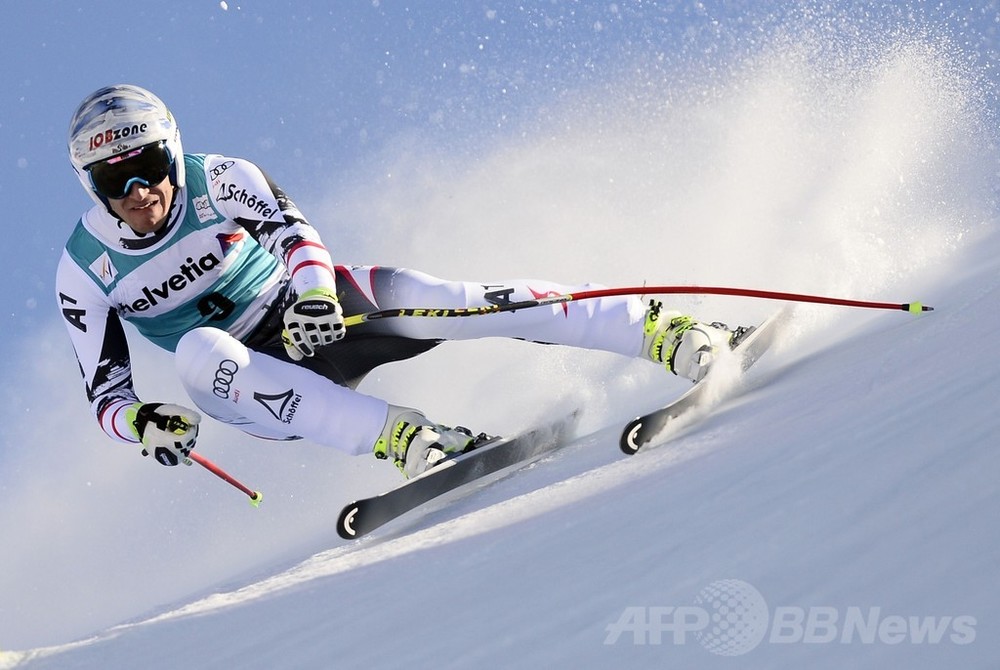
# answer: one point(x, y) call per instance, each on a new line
point(685, 346)
point(415, 443)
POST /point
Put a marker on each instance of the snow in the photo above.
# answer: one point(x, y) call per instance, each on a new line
point(852, 473)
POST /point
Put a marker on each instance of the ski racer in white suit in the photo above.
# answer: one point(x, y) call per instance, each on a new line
point(206, 257)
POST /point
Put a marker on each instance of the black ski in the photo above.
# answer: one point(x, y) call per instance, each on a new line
point(363, 516)
point(643, 429)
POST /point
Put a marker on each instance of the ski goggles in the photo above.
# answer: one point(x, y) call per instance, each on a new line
point(148, 165)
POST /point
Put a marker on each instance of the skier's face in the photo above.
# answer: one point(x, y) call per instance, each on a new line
point(144, 208)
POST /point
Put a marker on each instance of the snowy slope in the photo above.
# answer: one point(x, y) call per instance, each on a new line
point(853, 476)
point(857, 474)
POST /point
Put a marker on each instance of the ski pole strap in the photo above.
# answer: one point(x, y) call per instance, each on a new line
point(912, 307)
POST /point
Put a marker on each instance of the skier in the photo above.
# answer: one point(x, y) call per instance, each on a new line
point(208, 258)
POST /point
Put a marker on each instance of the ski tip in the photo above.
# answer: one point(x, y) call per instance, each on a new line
point(345, 525)
point(256, 499)
point(629, 442)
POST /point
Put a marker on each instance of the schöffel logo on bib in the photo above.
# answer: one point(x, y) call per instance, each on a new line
point(186, 274)
point(115, 134)
point(104, 269)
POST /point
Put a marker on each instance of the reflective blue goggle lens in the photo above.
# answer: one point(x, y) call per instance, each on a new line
point(148, 165)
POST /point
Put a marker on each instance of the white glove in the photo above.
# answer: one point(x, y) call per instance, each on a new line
point(314, 321)
point(168, 432)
